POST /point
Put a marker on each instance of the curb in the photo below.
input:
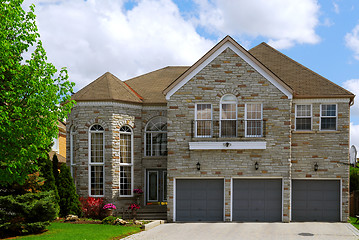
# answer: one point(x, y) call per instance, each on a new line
point(353, 229)
point(153, 224)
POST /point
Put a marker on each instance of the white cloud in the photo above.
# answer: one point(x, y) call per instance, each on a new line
point(336, 8)
point(353, 86)
point(284, 22)
point(354, 135)
point(352, 41)
point(95, 36)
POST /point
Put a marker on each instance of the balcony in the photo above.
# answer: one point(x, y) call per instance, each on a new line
point(228, 129)
point(228, 134)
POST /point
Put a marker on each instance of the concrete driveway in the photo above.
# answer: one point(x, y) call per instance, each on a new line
point(249, 231)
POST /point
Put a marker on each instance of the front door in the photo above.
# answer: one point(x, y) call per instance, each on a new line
point(156, 190)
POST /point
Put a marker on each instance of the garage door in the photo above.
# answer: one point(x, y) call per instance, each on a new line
point(257, 200)
point(199, 200)
point(316, 200)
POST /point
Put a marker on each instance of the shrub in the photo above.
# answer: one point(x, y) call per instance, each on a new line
point(110, 220)
point(354, 179)
point(28, 213)
point(69, 200)
point(91, 207)
point(46, 172)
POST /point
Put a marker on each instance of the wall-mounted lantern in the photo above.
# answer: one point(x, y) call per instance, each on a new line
point(198, 166)
point(256, 166)
point(316, 167)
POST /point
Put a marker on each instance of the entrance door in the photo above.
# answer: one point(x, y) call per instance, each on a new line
point(156, 185)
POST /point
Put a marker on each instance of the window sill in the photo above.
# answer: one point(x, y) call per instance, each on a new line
point(154, 157)
point(316, 131)
point(241, 139)
point(227, 145)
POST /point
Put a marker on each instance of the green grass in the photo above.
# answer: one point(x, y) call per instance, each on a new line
point(352, 222)
point(65, 231)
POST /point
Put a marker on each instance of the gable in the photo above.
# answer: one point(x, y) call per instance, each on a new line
point(227, 43)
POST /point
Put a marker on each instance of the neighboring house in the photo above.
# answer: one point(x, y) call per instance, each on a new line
point(238, 136)
point(59, 147)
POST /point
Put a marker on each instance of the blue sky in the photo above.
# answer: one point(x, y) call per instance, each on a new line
point(132, 37)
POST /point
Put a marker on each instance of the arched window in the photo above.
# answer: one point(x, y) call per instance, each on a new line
point(126, 161)
point(228, 116)
point(72, 150)
point(156, 137)
point(96, 160)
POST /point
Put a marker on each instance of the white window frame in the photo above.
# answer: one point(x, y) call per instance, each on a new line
point(145, 138)
point(221, 113)
point(197, 119)
point(246, 119)
point(164, 197)
point(90, 164)
point(72, 150)
point(336, 117)
point(311, 117)
point(126, 164)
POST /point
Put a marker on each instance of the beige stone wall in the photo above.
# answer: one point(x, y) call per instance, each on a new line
point(329, 149)
point(228, 73)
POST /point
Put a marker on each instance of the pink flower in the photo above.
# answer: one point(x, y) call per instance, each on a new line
point(109, 206)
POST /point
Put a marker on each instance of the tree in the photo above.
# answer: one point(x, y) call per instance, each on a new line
point(31, 91)
point(69, 200)
point(46, 172)
point(55, 168)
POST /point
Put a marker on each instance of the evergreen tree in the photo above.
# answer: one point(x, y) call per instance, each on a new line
point(55, 168)
point(69, 200)
point(46, 172)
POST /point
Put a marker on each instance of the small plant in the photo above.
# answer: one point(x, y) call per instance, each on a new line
point(91, 207)
point(110, 220)
point(134, 206)
point(137, 191)
point(109, 206)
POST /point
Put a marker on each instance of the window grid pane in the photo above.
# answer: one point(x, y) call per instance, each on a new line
point(96, 147)
point(328, 117)
point(204, 120)
point(229, 128)
point(303, 124)
point(96, 180)
point(254, 120)
point(125, 148)
point(156, 137)
point(303, 119)
point(125, 180)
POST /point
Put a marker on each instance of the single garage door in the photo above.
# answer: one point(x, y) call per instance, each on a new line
point(257, 200)
point(316, 200)
point(199, 199)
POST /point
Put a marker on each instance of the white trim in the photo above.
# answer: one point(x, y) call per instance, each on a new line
point(145, 186)
point(174, 200)
point(240, 54)
point(311, 117)
point(90, 164)
point(231, 201)
point(233, 145)
point(196, 119)
point(104, 104)
point(164, 183)
point(72, 133)
point(126, 164)
point(320, 100)
point(148, 185)
point(154, 108)
point(224, 199)
point(336, 118)
point(246, 119)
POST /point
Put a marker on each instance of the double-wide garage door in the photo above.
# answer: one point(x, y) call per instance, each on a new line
point(316, 200)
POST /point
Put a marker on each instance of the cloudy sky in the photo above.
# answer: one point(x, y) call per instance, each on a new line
point(132, 37)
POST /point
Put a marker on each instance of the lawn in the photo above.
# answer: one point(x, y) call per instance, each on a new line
point(352, 222)
point(65, 231)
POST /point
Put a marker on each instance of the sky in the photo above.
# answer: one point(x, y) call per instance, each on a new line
point(132, 37)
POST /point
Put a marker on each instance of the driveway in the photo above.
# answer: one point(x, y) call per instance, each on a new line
point(249, 231)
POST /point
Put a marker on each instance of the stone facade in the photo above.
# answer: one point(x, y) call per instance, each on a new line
point(288, 154)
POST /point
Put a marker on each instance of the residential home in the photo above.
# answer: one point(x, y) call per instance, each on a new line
point(238, 136)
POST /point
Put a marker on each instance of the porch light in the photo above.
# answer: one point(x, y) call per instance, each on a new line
point(198, 166)
point(256, 166)
point(316, 167)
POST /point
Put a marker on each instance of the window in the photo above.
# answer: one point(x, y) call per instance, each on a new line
point(72, 150)
point(328, 117)
point(203, 122)
point(253, 120)
point(303, 117)
point(228, 116)
point(96, 161)
point(126, 161)
point(156, 137)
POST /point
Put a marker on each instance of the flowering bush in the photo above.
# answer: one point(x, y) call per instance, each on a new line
point(138, 191)
point(134, 206)
point(109, 206)
point(91, 207)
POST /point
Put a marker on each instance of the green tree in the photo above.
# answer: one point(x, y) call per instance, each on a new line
point(55, 168)
point(69, 200)
point(46, 172)
point(31, 91)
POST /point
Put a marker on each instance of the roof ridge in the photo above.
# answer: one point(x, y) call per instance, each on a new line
point(301, 65)
point(157, 70)
point(138, 95)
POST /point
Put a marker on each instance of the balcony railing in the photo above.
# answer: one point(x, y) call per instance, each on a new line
point(228, 128)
